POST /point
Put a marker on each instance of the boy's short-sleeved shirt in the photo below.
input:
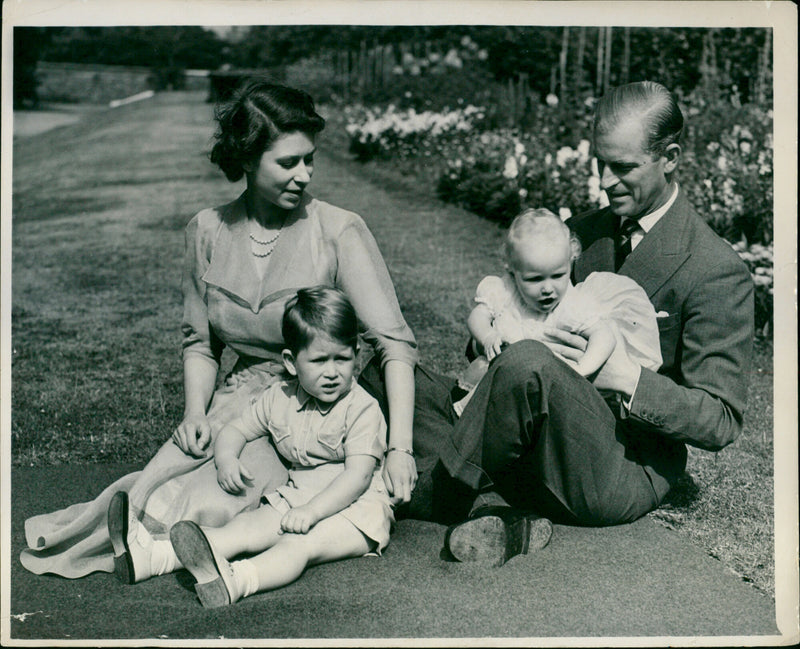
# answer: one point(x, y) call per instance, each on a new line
point(308, 432)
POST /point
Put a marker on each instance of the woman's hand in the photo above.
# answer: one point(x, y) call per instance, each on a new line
point(400, 475)
point(231, 475)
point(193, 435)
point(299, 520)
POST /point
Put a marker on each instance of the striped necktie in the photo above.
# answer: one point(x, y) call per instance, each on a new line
point(624, 247)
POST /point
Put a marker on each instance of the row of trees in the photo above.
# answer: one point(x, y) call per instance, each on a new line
point(570, 61)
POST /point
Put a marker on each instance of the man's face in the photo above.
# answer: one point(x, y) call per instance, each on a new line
point(634, 179)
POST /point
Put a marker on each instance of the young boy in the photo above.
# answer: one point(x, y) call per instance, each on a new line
point(333, 433)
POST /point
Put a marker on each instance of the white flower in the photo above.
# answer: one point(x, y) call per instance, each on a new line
point(722, 163)
point(564, 213)
point(510, 171)
point(583, 150)
point(594, 189)
point(523, 159)
point(548, 159)
point(564, 155)
point(483, 55)
point(744, 147)
point(519, 148)
point(453, 60)
point(551, 99)
point(523, 193)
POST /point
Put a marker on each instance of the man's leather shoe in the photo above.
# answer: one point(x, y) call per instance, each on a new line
point(493, 534)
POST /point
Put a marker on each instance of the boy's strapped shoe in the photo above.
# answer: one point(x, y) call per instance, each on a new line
point(493, 534)
point(132, 543)
point(216, 585)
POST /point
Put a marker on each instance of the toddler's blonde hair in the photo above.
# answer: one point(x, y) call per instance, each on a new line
point(540, 223)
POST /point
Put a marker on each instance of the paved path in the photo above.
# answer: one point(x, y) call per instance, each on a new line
point(634, 580)
point(631, 580)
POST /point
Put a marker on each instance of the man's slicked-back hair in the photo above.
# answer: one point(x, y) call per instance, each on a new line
point(319, 310)
point(650, 102)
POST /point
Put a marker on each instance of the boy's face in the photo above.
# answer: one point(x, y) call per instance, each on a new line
point(324, 369)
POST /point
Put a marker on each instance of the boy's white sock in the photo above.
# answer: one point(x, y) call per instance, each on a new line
point(163, 559)
point(246, 576)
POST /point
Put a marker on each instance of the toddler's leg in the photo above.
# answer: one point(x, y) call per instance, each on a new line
point(220, 582)
point(329, 540)
point(250, 532)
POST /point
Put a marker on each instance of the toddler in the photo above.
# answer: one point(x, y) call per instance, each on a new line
point(333, 433)
point(536, 292)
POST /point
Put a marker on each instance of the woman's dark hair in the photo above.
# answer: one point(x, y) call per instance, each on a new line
point(256, 115)
point(649, 101)
point(319, 310)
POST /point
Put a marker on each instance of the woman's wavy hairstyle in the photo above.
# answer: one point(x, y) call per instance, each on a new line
point(256, 115)
point(319, 310)
point(539, 223)
point(651, 102)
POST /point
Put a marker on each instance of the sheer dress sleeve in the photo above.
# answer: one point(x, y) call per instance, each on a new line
point(362, 274)
point(199, 338)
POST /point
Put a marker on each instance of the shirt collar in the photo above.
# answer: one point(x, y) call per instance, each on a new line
point(305, 399)
point(649, 220)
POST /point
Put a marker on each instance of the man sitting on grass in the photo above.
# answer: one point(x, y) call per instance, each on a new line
point(538, 439)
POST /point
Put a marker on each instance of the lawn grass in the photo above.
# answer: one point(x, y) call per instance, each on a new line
point(99, 209)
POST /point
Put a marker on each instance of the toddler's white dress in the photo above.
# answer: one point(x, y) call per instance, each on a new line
point(609, 296)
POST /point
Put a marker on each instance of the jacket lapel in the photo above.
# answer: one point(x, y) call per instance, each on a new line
point(597, 238)
point(662, 250)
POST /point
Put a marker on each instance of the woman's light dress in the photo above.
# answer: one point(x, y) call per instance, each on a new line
point(226, 304)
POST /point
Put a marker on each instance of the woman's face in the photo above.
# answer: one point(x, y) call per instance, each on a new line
point(281, 174)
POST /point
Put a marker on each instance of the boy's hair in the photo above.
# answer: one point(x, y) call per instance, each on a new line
point(319, 310)
point(537, 223)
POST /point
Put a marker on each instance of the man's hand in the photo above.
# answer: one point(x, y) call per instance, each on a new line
point(564, 344)
point(619, 373)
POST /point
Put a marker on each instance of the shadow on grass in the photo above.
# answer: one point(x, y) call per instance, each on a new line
point(34, 209)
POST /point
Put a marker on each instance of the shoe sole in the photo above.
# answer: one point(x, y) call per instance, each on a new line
point(118, 532)
point(198, 557)
point(490, 540)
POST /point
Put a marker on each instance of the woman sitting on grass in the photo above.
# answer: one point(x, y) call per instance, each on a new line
point(333, 433)
point(243, 262)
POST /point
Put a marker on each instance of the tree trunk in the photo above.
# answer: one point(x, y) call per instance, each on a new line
point(577, 76)
point(562, 65)
point(626, 57)
point(600, 58)
point(607, 67)
point(764, 68)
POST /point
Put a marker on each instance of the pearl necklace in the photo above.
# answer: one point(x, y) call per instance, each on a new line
point(269, 242)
